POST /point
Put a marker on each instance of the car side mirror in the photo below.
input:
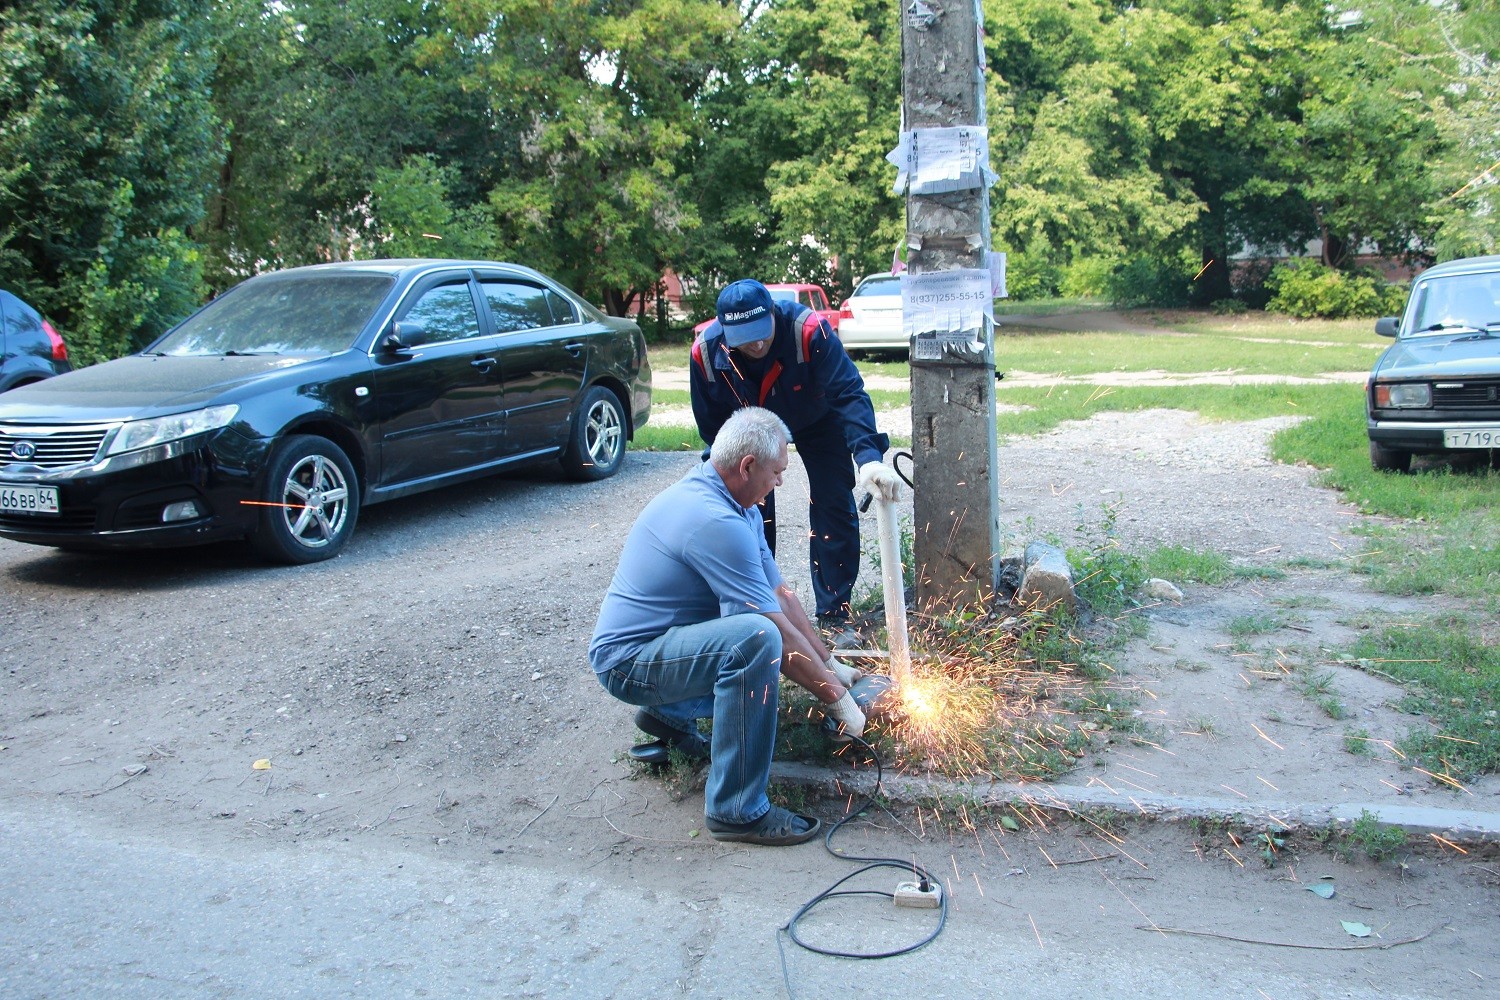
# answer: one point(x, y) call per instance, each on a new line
point(404, 334)
point(1388, 326)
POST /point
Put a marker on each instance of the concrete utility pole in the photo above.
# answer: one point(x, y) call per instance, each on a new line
point(956, 504)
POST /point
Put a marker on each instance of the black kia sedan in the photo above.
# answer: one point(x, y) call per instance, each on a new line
point(279, 409)
point(1436, 390)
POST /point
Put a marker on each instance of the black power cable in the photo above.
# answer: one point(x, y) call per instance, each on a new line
point(924, 878)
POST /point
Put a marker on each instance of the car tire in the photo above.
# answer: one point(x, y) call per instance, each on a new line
point(1385, 459)
point(293, 531)
point(596, 443)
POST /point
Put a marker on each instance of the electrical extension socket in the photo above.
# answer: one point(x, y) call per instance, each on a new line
point(912, 894)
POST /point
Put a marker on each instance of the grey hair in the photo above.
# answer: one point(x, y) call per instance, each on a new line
point(749, 431)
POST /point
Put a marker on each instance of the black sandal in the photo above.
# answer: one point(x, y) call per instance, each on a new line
point(777, 828)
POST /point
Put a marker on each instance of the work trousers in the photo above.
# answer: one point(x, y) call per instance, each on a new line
point(833, 538)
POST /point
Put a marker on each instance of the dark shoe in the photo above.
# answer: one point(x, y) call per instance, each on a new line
point(654, 755)
point(691, 745)
point(777, 828)
point(839, 634)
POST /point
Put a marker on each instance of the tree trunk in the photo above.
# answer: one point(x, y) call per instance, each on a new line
point(1212, 283)
point(1334, 249)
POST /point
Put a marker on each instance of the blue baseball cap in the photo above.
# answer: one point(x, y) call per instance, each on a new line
point(746, 313)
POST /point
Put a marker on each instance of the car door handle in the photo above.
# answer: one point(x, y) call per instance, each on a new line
point(575, 348)
point(483, 364)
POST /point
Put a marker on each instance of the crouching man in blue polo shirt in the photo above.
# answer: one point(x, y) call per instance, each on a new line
point(698, 623)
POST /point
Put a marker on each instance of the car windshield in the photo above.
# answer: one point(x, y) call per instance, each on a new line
point(783, 294)
point(1460, 302)
point(281, 314)
point(879, 286)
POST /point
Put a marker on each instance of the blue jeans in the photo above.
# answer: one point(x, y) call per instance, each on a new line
point(728, 669)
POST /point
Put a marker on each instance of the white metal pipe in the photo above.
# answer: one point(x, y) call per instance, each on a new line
point(895, 591)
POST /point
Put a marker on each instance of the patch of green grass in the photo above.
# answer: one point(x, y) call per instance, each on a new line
point(1183, 565)
point(1304, 601)
point(1046, 407)
point(1313, 562)
point(1105, 576)
point(1046, 307)
point(1258, 573)
point(1316, 685)
point(1211, 344)
point(1454, 678)
point(1205, 725)
point(1245, 626)
point(1332, 707)
point(660, 437)
point(1357, 742)
point(1460, 556)
point(1373, 837)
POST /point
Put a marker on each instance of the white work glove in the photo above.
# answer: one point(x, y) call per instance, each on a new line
point(846, 712)
point(846, 674)
point(879, 479)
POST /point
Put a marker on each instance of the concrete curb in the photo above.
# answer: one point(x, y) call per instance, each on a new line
point(1459, 826)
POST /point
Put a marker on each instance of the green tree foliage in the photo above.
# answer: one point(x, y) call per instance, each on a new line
point(1363, 154)
point(603, 96)
point(107, 139)
point(326, 102)
point(1466, 213)
point(148, 147)
point(1078, 176)
point(792, 182)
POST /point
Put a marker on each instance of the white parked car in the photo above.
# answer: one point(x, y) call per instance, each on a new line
point(870, 319)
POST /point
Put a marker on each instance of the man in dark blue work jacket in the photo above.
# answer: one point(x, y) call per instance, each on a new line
point(782, 356)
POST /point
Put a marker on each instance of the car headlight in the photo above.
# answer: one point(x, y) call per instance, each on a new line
point(144, 433)
point(1403, 395)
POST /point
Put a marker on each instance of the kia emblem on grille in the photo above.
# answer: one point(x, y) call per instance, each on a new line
point(23, 450)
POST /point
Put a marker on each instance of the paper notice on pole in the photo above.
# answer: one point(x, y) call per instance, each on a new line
point(947, 307)
point(936, 160)
point(996, 261)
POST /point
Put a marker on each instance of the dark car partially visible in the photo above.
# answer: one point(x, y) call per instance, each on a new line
point(297, 397)
point(1436, 390)
point(30, 349)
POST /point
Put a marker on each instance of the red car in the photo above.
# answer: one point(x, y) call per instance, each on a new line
point(811, 296)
